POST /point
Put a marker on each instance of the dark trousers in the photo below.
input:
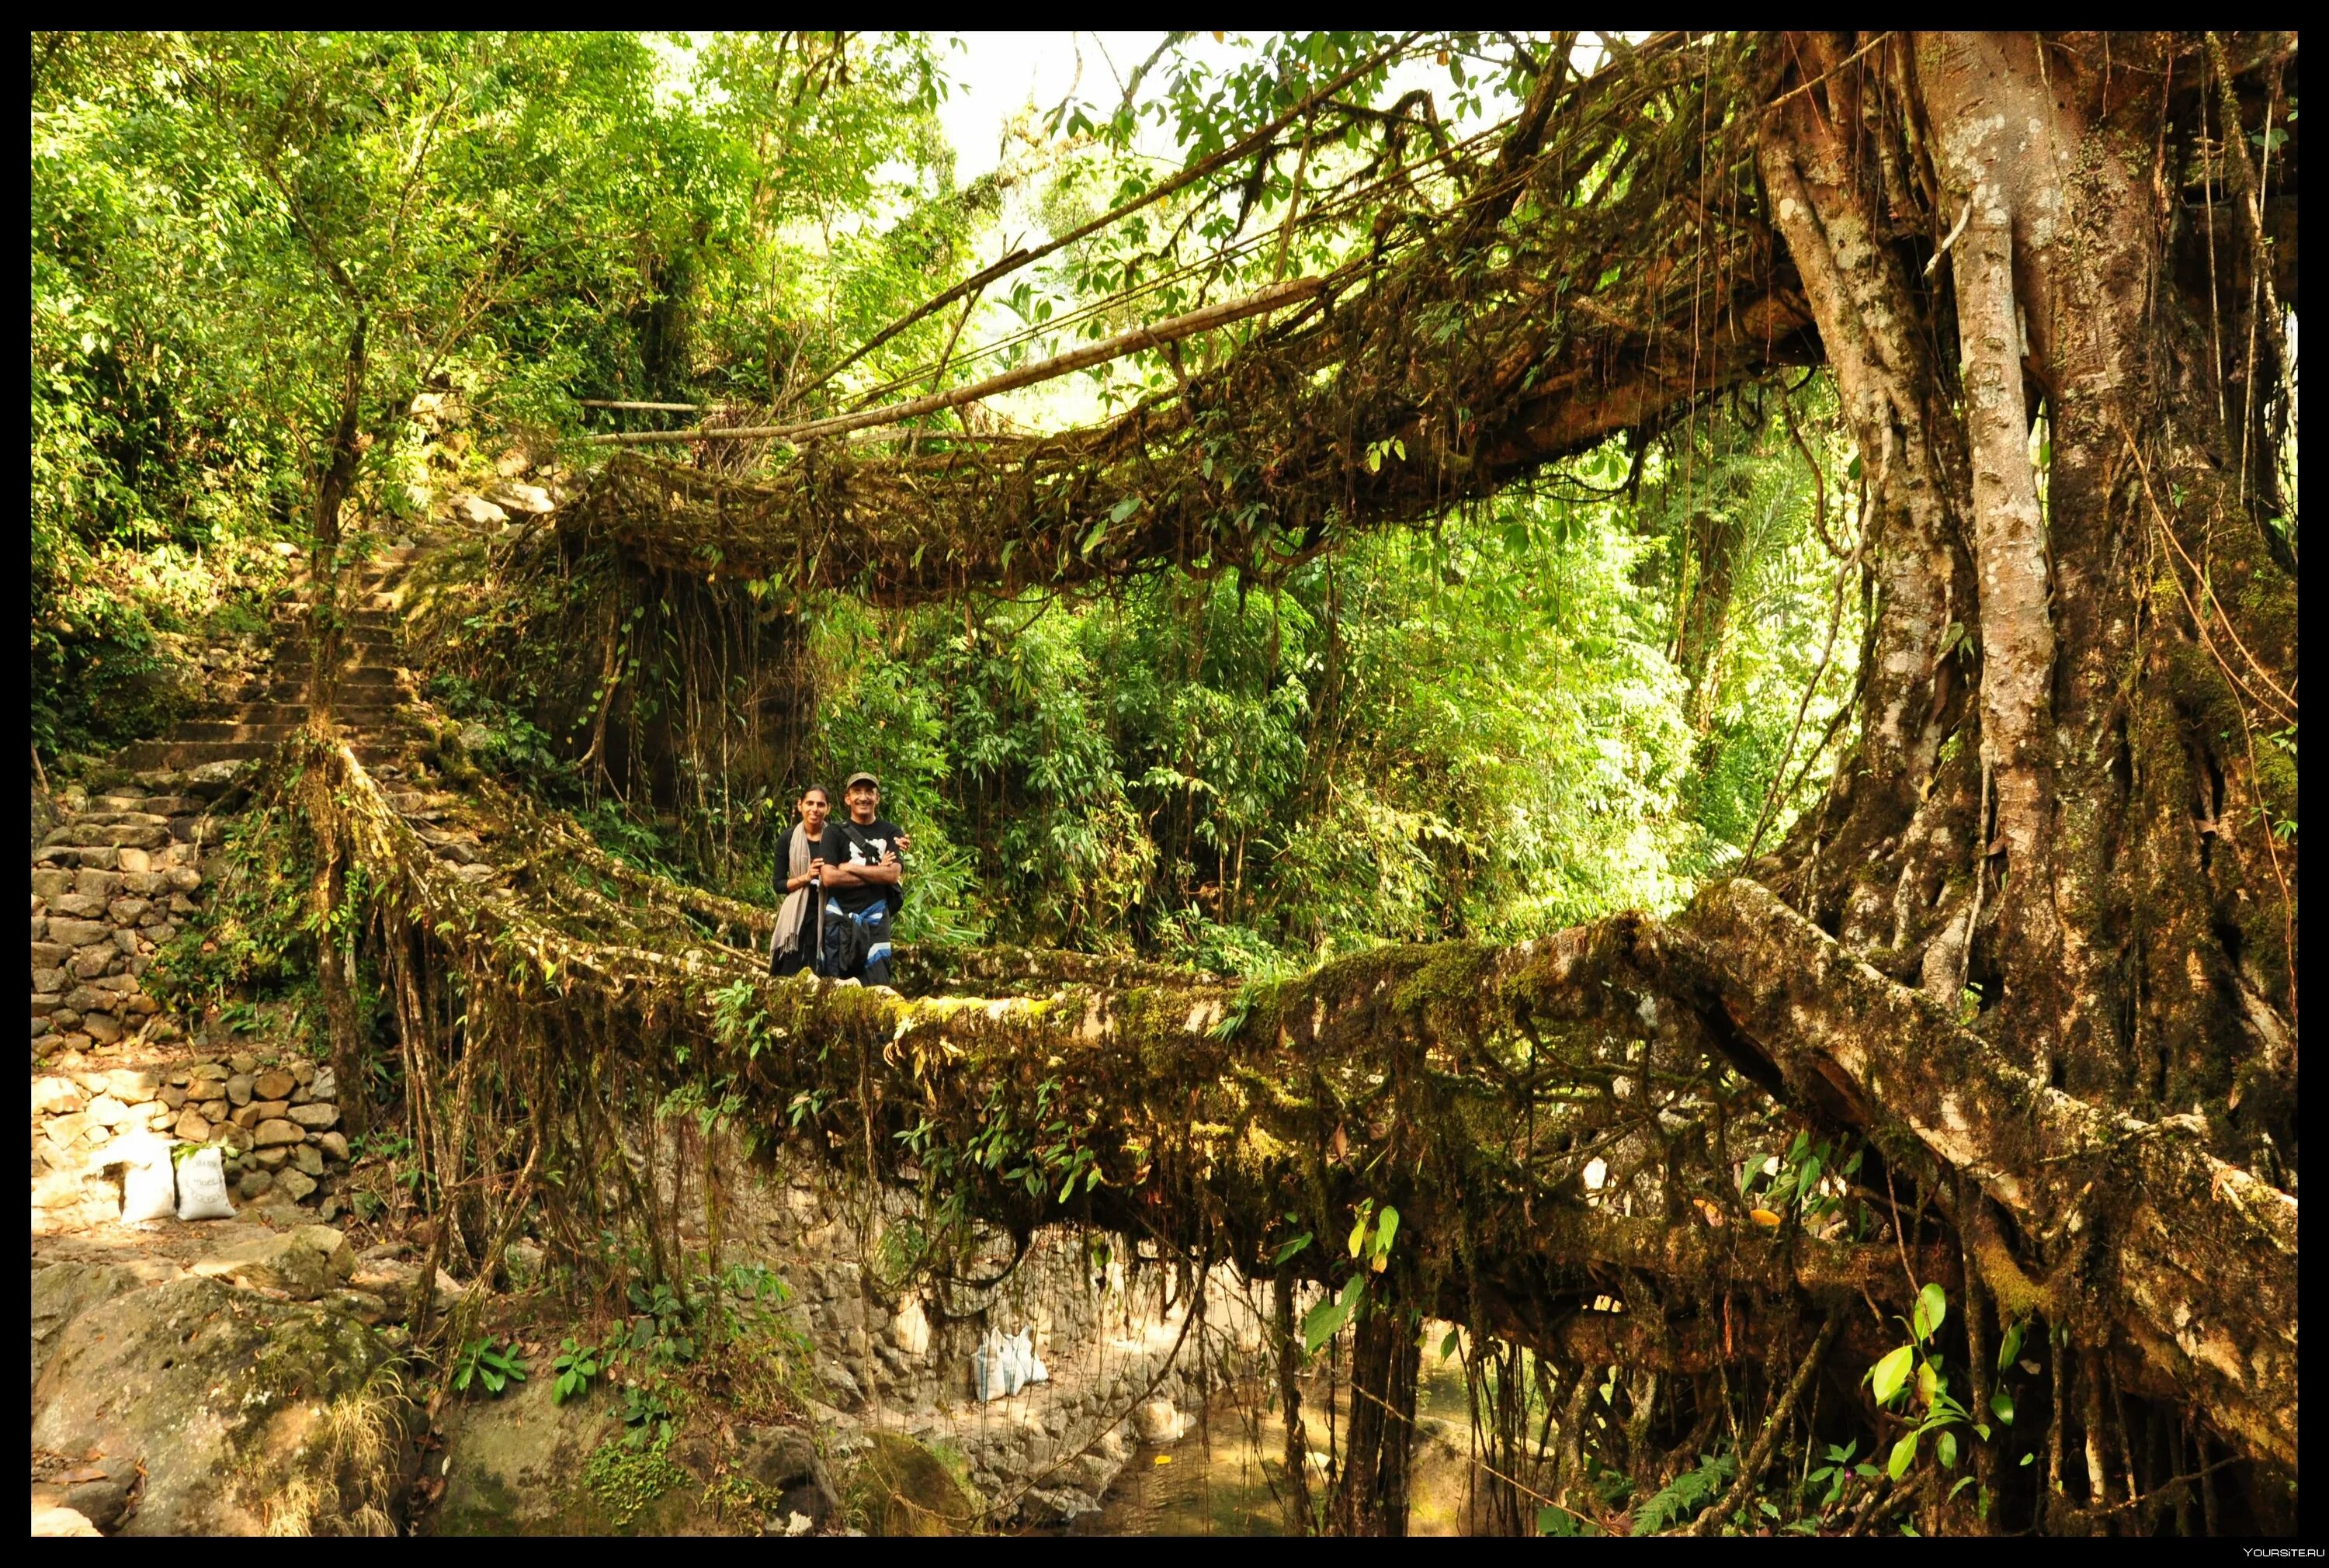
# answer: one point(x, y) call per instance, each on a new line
point(857, 946)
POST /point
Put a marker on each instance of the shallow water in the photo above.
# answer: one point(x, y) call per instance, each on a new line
point(1218, 1478)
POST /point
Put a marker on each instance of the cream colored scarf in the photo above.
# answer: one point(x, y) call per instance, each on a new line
point(793, 914)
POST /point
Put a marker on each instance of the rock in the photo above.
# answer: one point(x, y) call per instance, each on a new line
point(325, 1085)
point(315, 1118)
point(192, 1128)
point(63, 1291)
point(55, 1519)
point(274, 1084)
point(133, 1084)
point(56, 1096)
point(523, 1261)
point(909, 1330)
point(1057, 1505)
point(295, 1184)
point(302, 1264)
point(309, 1159)
point(361, 1305)
point(211, 778)
point(476, 511)
point(108, 1111)
point(841, 1382)
point(245, 1412)
point(102, 1502)
point(514, 1466)
point(269, 1133)
point(273, 1159)
point(902, 1489)
point(243, 1063)
point(255, 1184)
point(777, 1458)
point(334, 1146)
point(78, 933)
point(238, 1088)
point(1158, 1421)
point(531, 498)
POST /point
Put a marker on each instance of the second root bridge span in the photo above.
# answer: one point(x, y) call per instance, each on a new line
point(1470, 1087)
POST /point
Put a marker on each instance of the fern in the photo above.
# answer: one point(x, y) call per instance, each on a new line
point(1684, 1496)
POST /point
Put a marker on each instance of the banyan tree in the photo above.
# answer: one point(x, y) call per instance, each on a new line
point(2033, 957)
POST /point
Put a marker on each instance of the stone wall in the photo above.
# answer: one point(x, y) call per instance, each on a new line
point(111, 881)
point(1108, 1328)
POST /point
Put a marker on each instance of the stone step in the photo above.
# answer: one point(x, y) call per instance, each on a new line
point(222, 729)
point(357, 674)
point(358, 704)
point(293, 632)
point(292, 710)
point(175, 755)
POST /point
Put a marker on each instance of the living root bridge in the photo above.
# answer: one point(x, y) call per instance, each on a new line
point(1469, 1086)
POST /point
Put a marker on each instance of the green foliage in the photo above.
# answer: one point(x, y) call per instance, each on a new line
point(627, 1477)
point(493, 1363)
point(576, 1367)
point(1913, 1375)
point(254, 931)
point(1480, 732)
point(1685, 1496)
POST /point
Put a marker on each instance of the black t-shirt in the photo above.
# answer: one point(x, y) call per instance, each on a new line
point(850, 844)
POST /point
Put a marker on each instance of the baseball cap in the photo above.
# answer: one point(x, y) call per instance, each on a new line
point(855, 779)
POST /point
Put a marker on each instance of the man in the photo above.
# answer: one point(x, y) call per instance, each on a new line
point(863, 876)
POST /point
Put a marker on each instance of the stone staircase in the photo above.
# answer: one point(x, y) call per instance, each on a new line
point(247, 720)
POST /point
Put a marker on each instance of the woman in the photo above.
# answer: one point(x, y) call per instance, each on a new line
point(795, 940)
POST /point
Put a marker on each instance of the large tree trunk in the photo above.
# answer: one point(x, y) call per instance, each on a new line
point(2066, 789)
point(335, 967)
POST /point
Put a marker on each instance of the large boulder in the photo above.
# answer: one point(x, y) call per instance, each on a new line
point(248, 1415)
point(522, 1464)
point(302, 1264)
point(902, 1489)
point(62, 1291)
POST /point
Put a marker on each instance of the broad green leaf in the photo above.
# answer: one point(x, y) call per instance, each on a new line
point(1890, 1373)
point(2001, 1405)
point(1932, 1310)
point(1945, 1448)
point(1386, 1228)
point(1904, 1454)
point(2010, 1346)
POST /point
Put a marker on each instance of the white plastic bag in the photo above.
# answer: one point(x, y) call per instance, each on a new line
point(201, 1186)
point(147, 1192)
point(1003, 1365)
